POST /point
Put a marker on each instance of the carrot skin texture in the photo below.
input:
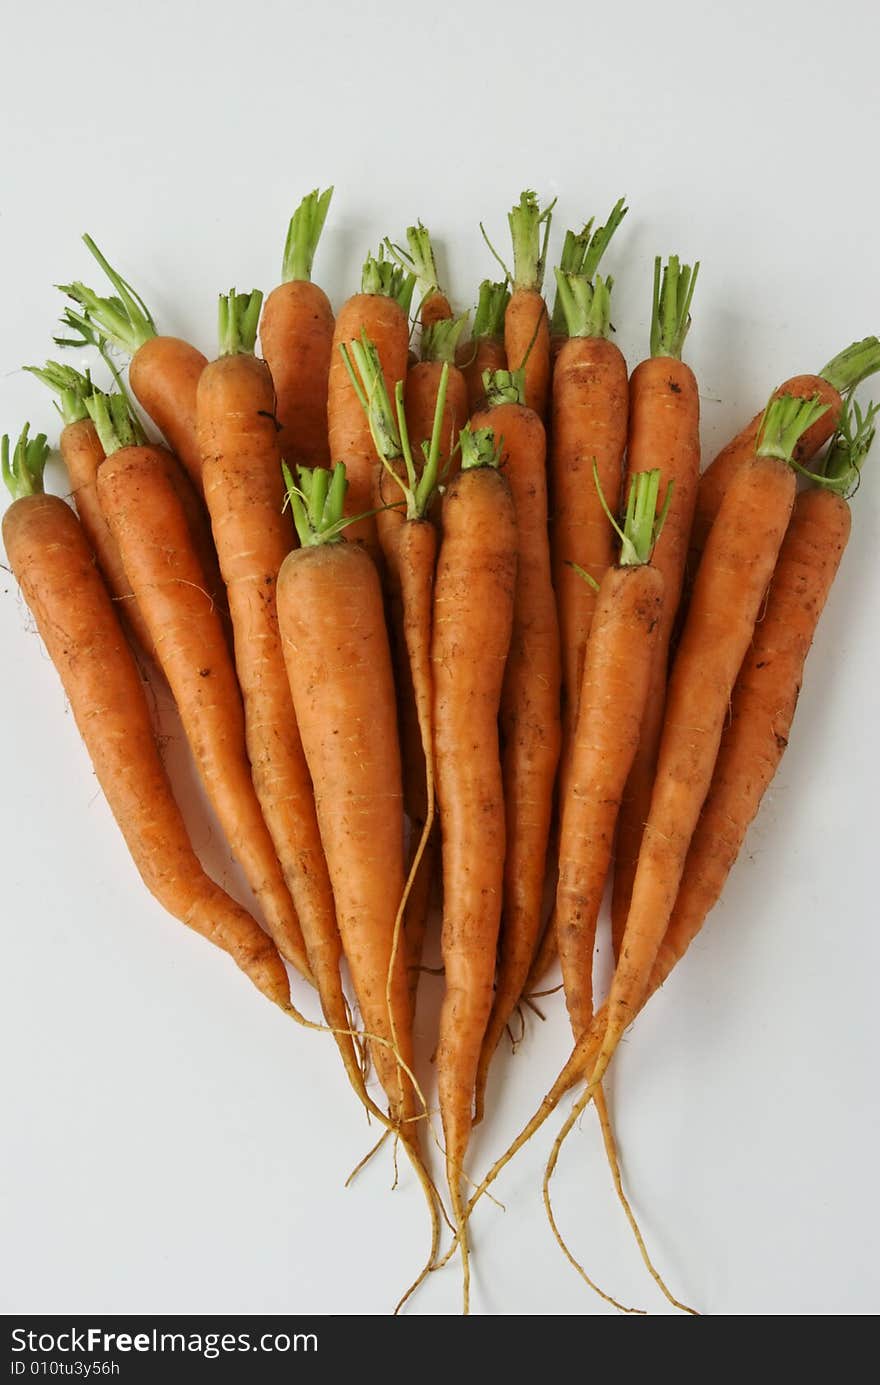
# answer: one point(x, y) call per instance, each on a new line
point(739, 451)
point(339, 668)
point(386, 325)
point(731, 583)
point(435, 308)
point(296, 333)
point(82, 454)
point(527, 342)
point(244, 491)
point(137, 491)
point(473, 620)
point(164, 376)
point(472, 358)
point(530, 719)
point(55, 568)
point(617, 679)
point(420, 403)
point(664, 433)
point(590, 410)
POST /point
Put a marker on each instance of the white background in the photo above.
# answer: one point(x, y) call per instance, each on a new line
point(169, 1142)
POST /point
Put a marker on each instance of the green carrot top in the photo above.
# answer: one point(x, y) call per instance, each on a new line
point(671, 311)
point(491, 307)
point(23, 471)
point(71, 386)
point(840, 470)
point(785, 420)
point(504, 386)
point(440, 339)
point(303, 235)
point(122, 318)
point(389, 429)
point(479, 449)
point(384, 277)
point(582, 252)
point(642, 522)
point(317, 499)
point(853, 365)
point(115, 421)
point(238, 317)
point(530, 231)
point(418, 260)
point(586, 304)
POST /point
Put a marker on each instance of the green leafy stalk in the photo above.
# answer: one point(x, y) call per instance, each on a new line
point(303, 235)
point(479, 448)
point(582, 252)
point(671, 314)
point(785, 421)
point(530, 231)
point(71, 387)
point(586, 304)
point(419, 260)
point(317, 501)
point(388, 426)
point(491, 307)
point(504, 387)
point(440, 339)
point(23, 472)
point(382, 276)
point(853, 365)
point(115, 423)
point(841, 467)
point(238, 317)
point(642, 524)
point(123, 317)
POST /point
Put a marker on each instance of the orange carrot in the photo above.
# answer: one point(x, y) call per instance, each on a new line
point(526, 326)
point(530, 725)
point(616, 683)
point(473, 618)
point(841, 375)
point(485, 350)
point(254, 533)
point(139, 499)
point(164, 371)
point(422, 388)
point(379, 311)
point(590, 411)
point(664, 432)
point(409, 549)
point(55, 567)
point(737, 566)
point(296, 332)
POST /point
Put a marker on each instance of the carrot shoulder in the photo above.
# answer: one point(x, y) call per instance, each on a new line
point(55, 567)
point(526, 324)
point(296, 333)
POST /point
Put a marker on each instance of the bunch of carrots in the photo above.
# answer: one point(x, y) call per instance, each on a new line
point(457, 631)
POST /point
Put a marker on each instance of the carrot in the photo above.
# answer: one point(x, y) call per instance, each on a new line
point(439, 342)
point(409, 549)
point(841, 375)
point(664, 432)
point(616, 684)
point(419, 260)
point(526, 327)
point(755, 737)
point(737, 566)
point(254, 533)
point(590, 411)
point(582, 252)
point(82, 454)
point(485, 350)
point(296, 332)
point(137, 493)
point(55, 568)
point(473, 619)
point(339, 668)
point(164, 371)
point(380, 312)
point(530, 726)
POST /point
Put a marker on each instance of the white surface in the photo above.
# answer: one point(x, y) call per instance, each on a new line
point(170, 1143)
